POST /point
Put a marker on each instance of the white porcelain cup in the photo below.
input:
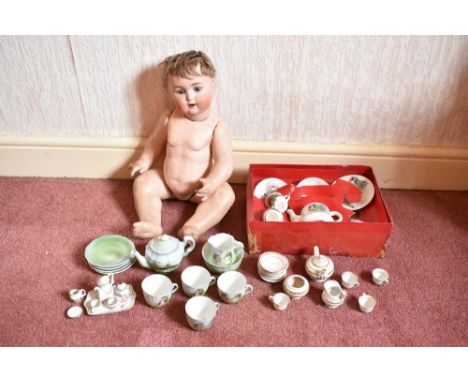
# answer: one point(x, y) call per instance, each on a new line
point(380, 276)
point(223, 247)
point(77, 295)
point(196, 280)
point(158, 289)
point(200, 311)
point(277, 201)
point(280, 300)
point(320, 216)
point(105, 280)
point(232, 287)
point(349, 280)
point(366, 303)
point(271, 215)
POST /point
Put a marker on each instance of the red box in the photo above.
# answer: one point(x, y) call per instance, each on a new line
point(367, 239)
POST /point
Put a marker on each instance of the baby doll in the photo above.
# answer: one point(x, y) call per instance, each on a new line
point(198, 153)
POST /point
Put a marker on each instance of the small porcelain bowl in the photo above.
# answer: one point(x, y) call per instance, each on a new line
point(380, 276)
point(280, 301)
point(296, 286)
point(349, 280)
point(367, 303)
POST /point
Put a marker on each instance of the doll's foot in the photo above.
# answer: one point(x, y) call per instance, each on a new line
point(190, 231)
point(146, 230)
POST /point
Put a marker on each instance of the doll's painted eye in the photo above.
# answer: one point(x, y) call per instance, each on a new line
point(198, 89)
point(180, 91)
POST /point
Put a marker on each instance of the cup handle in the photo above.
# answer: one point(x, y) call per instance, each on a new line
point(248, 289)
point(174, 288)
point(212, 280)
point(191, 244)
point(338, 215)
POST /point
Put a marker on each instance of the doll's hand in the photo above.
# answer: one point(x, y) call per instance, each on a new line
point(206, 189)
point(138, 167)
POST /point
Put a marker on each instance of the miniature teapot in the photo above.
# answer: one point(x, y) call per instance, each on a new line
point(164, 253)
point(319, 267)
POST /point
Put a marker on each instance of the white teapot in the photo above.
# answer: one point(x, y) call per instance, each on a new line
point(164, 253)
point(319, 267)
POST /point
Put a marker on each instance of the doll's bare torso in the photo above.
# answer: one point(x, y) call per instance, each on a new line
point(188, 153)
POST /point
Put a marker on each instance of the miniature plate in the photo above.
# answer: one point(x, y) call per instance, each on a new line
point(75, 312)
point(312, 181)
point(365, 185)
point(267, 185)
point(273, 262)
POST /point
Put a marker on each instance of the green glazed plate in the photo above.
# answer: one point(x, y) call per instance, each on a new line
point(109, 251)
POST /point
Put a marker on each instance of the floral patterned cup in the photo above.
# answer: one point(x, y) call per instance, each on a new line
point(157, 290)
point(232, 287)
point(196, 280)
point(200, 311)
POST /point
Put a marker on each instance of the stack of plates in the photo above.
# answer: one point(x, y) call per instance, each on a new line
point(272, 266)
point(110, 254)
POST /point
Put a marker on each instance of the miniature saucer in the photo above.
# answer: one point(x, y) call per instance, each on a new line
point(365, 185)
point(75, 312)
point(266, 186)
point(273, 262)
point(312, 181)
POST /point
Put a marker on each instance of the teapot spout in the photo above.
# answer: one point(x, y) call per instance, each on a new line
point(292, 215)
point(141, 260)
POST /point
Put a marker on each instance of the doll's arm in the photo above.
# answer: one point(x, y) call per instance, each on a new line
point(153, 147)
point(221, 150)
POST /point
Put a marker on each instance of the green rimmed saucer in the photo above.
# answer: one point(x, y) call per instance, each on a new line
point(109, 252)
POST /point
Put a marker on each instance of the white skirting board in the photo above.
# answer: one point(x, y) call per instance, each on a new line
point(403, 167)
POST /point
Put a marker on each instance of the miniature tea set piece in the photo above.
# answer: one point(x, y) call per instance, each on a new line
point(367, 303)
point(222, 253)
point(110, 254)
point(272, 266)
point(312, 181)
point(280, 300)
point(233, 287)
point(349, 280)
point(108, 298)
point(196, 280)
point(365, 185)
point(77, 295)
point(319, 267)
point(315, 212)
point(333, 296)
point(200, 312)
point(75, 312)
point(380, 276)
point(157, 290)
point(272, 215)
point(296, 286)
point(164, 253)
point(266, 186)
point(276, 201)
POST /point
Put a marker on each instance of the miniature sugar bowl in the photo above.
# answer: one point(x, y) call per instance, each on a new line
point(319, 267)
point(296, 286)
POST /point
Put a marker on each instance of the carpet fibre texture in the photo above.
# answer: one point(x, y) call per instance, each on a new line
point(47, 223)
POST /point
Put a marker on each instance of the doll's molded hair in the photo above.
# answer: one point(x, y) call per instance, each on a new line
point(185, 64)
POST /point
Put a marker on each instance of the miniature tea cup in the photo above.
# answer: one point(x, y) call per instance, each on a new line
point(272, 215)
point(77, 295)
point(380, 276)
point(224, 248)
point(123, 289)
point(366, 303)
point(232, 287)
point(349, 280)
point(333, 291)
point(196, 280)
point(200, 311)
point(280, 300)
point(277, 201)
point(158, 289)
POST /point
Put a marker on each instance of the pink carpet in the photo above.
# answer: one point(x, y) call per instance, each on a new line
point(46, 224)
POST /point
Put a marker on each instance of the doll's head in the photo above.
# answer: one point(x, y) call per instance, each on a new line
point(187, 64)
point(189, 78)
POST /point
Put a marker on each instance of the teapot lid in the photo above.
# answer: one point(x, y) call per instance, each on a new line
point(163, 244)
point(320, 260)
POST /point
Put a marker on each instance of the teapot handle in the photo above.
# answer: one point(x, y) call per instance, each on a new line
point(191, 244)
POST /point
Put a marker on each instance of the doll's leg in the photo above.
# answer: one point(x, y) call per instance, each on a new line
point(148, 191)
point(209, 213)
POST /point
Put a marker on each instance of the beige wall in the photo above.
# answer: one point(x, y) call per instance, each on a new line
point(393, 90)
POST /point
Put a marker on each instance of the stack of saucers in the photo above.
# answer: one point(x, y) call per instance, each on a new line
point(110, 254)
point(272, 266)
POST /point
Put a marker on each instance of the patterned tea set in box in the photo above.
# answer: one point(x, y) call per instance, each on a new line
point(113, 254)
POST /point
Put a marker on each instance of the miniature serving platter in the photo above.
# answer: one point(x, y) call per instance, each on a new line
point(113, 304)
point(365, 185)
